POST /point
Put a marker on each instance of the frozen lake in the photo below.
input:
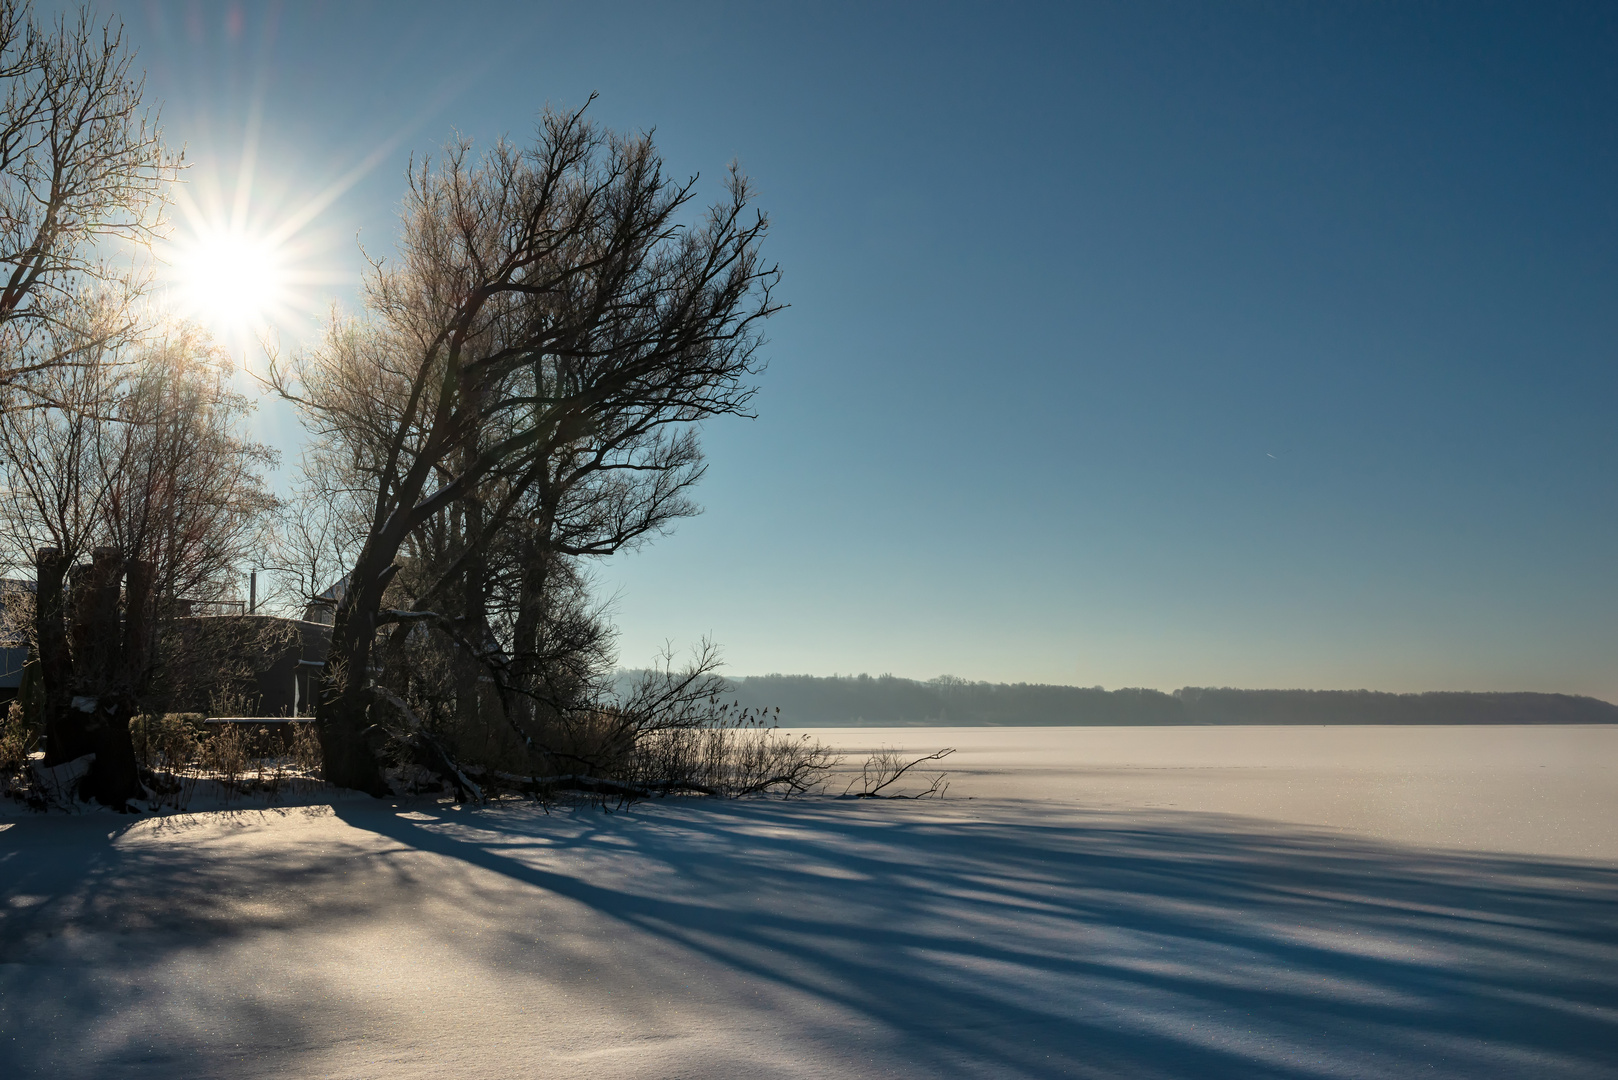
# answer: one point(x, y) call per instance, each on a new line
point(1161, 902)
point(1545, 790)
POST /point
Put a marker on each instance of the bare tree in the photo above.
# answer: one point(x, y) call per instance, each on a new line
point(53, 490)
point(545, 299)
point(81, 163)
point(184, 487)
point(142, 448)
point(139, 462)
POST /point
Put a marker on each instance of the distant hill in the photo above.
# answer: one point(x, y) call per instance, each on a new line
point(887, 701)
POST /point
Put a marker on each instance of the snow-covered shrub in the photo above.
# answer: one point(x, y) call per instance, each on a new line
point(735, 756)
point(168, 743)
point(306, 749)
point(226, 754)
point(168, 748)
point(17, 740)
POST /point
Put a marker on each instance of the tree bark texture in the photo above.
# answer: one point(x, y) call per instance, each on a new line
point(64, 740)
point(92, 657)
point(343, 713)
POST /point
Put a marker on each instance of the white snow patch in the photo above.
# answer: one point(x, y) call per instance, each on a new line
point(1032, 930)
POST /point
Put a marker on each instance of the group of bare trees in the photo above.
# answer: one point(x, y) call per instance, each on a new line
point(519, 394)
point(128, 480)
point(142, 448)
point(131, 491)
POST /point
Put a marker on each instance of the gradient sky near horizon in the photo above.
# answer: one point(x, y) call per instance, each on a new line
point(1130, 344)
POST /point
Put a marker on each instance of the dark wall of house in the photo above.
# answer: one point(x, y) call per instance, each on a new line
point(279, 658)
point(288, 683)
point(11, 664)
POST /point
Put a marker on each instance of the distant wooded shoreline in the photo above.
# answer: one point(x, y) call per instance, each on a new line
point(889, 701)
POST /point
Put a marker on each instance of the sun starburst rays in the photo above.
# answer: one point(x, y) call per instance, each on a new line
point(245, 259)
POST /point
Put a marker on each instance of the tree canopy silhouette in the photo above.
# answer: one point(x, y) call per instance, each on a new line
point(552, 319)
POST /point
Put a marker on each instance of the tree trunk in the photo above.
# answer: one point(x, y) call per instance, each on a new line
point(469, 667)
point(64, 739)
point(86, 670)
point(103, 700)
point(139, 628)
point(342, 715)
point(525, 633)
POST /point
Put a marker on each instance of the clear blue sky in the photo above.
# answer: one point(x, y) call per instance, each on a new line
point(1130, 344)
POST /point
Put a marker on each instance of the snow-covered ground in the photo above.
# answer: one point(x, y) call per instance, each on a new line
point(1211, 902)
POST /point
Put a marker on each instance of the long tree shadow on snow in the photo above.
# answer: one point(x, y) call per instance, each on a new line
point(88, 927)
point(1174, 944)
point(1030, 943)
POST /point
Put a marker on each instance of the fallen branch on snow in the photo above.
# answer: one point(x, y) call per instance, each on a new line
point(883, 769)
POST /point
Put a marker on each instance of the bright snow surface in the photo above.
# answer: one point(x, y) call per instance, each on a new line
point(1170, 902)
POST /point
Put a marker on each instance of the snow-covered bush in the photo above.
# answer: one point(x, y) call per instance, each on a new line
point(169, 742)
point(227, 754)
point(17, 739)
point(744, 755)
point(306, 749)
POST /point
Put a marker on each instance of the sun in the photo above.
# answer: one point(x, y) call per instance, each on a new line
point(249, 259)
point(232, 280)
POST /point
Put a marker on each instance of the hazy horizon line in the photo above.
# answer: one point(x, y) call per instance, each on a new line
point(947, 680)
